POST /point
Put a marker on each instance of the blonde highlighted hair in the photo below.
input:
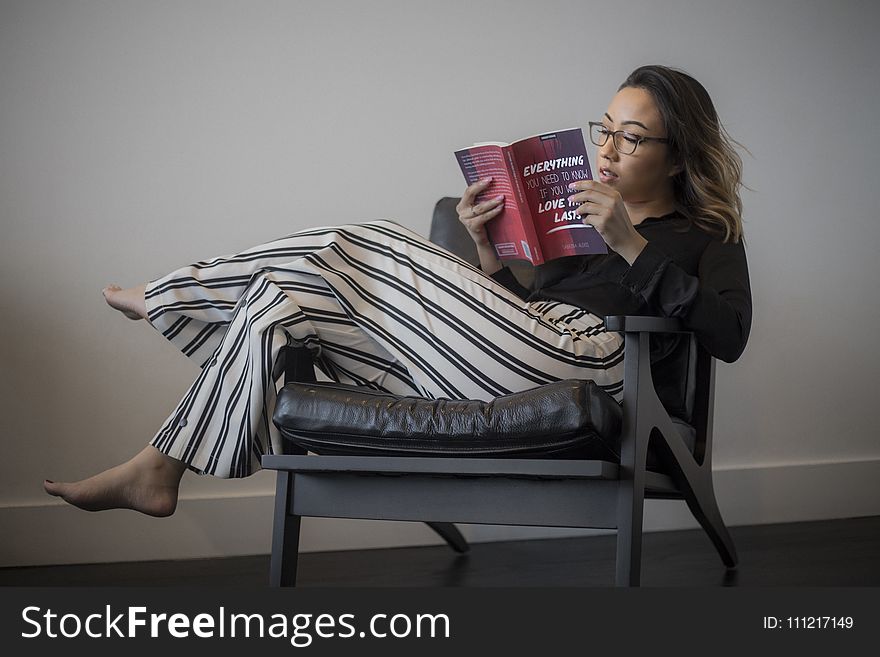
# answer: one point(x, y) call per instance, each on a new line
point(707, 188)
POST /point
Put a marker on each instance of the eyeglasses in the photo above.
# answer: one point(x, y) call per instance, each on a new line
point(624, 142)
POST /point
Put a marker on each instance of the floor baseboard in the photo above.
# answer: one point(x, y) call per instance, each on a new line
point(55, 533)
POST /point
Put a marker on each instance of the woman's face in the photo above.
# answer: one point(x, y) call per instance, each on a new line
point(643, 176)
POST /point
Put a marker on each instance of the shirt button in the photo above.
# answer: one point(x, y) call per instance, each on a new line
point(182, 422)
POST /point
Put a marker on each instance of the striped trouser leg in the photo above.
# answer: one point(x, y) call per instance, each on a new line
point(379, 306)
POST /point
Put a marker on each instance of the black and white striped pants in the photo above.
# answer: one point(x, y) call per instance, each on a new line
point(378, 306)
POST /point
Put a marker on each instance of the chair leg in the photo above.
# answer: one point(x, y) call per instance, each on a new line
point(695, 483)
point(631, 500)
point(285, 535)
point(700, 498)
point(449, 532)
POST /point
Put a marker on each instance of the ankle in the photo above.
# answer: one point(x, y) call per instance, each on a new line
point(157, 462)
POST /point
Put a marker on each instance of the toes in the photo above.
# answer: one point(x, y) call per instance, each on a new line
point(114, 297)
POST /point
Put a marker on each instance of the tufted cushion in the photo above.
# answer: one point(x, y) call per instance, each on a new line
point(565, 419)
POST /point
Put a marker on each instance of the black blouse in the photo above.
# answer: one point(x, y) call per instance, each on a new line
point(683, 272)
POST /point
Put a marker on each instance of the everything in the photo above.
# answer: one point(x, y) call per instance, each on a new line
point(550, 165)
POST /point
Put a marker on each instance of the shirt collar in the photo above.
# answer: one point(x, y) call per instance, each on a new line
point(668, 215)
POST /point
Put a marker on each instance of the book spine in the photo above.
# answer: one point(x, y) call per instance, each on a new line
point(525, 212)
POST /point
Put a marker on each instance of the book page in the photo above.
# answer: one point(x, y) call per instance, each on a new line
point(478, 162)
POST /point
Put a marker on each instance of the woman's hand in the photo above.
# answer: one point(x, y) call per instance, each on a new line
point(603, 208)
point(475, 217)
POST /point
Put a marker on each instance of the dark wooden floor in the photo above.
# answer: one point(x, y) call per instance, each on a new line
point(826, 553)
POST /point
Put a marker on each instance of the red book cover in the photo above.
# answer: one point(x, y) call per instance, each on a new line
point(538, 223)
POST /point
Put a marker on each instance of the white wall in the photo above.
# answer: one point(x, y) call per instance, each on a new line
point(139, 136)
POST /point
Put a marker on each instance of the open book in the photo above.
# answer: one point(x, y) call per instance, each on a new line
point(537, 223)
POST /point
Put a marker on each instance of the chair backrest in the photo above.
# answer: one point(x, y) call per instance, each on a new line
point(676, 375)
point(703, 403)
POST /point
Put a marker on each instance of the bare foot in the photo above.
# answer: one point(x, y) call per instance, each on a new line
point(130, 301)
point(147, 483)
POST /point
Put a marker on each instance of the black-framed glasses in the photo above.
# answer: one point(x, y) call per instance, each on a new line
point(624, 142)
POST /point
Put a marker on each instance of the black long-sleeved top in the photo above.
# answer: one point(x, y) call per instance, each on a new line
point(682, 272)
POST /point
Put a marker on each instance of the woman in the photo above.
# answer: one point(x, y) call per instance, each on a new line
point(380, 306)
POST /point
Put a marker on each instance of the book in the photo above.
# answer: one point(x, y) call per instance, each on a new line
point(538, 223)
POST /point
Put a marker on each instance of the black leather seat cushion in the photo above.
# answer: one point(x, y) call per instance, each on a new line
point(565, 419)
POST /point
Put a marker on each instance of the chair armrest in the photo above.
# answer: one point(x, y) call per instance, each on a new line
point(638, 386)
point(298, 364)
point(642, 408)
point(644, 324)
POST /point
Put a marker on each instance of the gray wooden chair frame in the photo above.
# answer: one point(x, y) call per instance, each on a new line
point(510, 491)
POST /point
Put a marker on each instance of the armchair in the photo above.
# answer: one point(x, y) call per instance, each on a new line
point(591, 464)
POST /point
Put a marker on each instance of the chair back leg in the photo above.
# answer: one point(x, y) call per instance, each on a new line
point(700, 498)
point(449, 533)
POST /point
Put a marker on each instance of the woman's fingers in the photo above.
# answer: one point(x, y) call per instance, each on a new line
point(586, 191)
point(489, 210)
point(591, 186)
point(595, 197)
point(476, 217)
point(589, 208)
point(467, 212)
point(485, 206)
point(471, 193)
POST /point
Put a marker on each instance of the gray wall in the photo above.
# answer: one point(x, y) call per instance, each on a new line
point(136, 137)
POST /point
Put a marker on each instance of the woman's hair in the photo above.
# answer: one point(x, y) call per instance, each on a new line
point(707, 188)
